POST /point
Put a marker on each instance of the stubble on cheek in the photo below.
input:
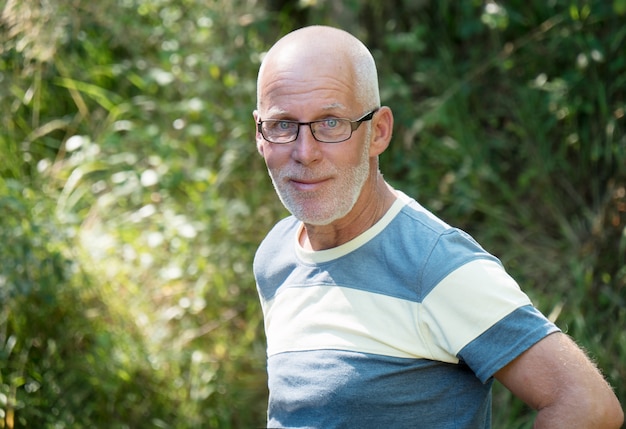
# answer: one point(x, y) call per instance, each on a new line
point(332, 201)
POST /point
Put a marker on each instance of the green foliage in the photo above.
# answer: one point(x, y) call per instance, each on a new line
point(68, 360)
point(133, 199)
point(116, 125)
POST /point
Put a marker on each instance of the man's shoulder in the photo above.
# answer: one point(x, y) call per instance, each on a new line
point(284, 229)
point(273, 247)
point(418, 225)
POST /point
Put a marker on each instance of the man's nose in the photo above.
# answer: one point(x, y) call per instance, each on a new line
point(306, 149)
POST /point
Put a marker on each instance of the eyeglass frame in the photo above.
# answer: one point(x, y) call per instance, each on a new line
point(354, 125)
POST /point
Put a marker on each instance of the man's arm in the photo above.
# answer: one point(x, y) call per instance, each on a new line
point(556, 378)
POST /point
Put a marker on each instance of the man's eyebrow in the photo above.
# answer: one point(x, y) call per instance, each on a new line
point(334, 106)
point(278, 112)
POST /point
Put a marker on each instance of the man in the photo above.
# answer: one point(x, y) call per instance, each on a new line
point(377, 313)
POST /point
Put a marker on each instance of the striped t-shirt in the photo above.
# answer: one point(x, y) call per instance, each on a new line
point(404, 326)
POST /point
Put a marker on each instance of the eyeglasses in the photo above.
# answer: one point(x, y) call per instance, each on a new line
point(330, 130)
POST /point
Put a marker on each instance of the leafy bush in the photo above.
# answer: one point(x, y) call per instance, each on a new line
point(122, 144)
point(68, 359)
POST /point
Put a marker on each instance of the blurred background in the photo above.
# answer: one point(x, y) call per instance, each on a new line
point(132, 198)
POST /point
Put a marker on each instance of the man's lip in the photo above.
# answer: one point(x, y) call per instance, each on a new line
point(307, 184)
point(308, 181)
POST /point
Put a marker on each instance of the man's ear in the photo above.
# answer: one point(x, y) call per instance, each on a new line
point(382, 130)
point(258, 136)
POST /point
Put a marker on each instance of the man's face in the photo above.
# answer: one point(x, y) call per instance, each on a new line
point(317, 182)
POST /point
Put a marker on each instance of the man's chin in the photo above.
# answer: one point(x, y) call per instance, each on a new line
point(316, 219)
point(309, 219)
point(308, 210)
point(316, 222)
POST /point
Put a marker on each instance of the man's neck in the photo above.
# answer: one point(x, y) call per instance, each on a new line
point(369, 209)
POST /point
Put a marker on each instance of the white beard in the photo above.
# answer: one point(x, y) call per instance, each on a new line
point(332, 202)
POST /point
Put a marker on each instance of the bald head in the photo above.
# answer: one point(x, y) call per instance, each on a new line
point(320, 46)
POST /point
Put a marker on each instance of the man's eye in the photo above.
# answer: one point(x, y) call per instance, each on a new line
point(331, 123)
point(284, 125)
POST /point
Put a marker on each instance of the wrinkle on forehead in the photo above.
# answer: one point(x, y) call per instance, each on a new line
point(275, 111)
point(329, 84)
point(292, 63)
point(313, 55)
point(331, 58)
